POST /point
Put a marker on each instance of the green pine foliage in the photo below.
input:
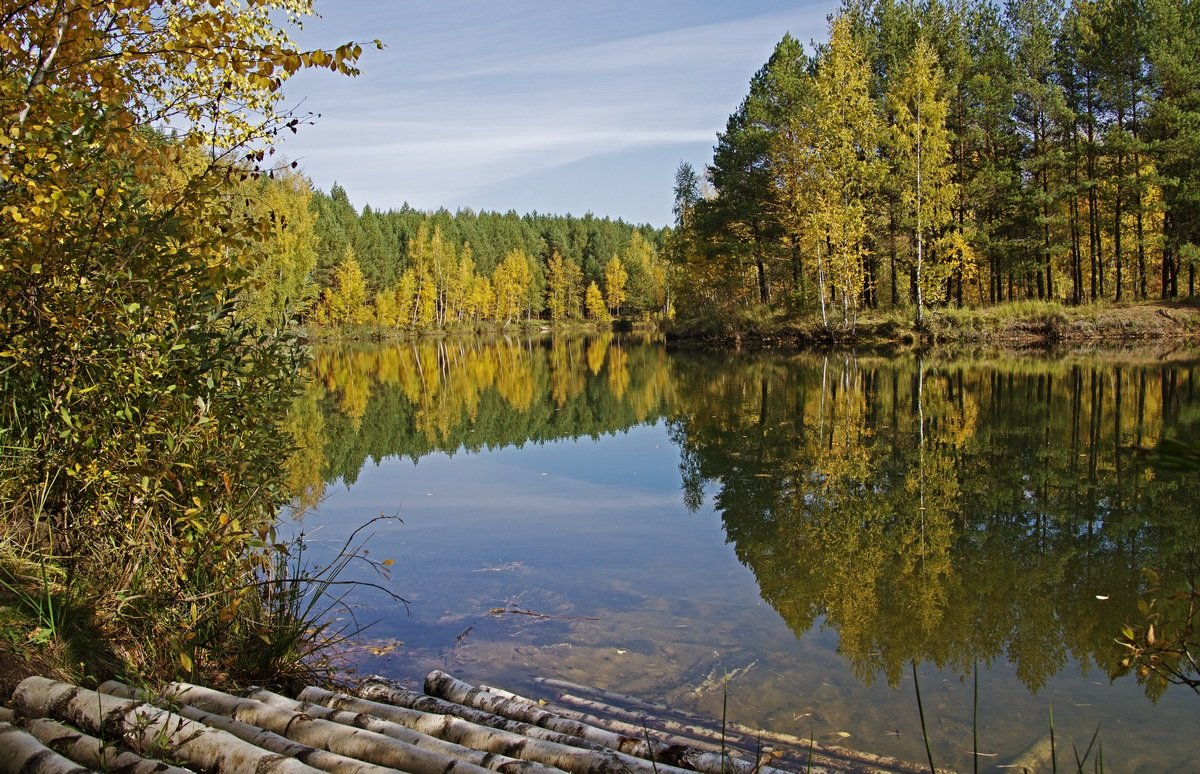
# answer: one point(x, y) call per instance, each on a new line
point(427, 271)
point(1036, 149)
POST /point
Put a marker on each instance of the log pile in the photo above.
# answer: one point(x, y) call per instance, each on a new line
point(451, 728)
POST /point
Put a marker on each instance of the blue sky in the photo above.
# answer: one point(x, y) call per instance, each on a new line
point(529, 105)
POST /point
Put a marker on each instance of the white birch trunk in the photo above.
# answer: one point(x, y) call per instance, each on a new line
point(517, 745)
point(317, 758)
point(84, 749)
point(379, 689)
point(438, 683)
point(920, 230)
point(146, 728)
point(418, 754)
point(821, 285)
point(23, 753)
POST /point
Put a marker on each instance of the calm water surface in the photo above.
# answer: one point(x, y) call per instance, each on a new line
point(808, 526)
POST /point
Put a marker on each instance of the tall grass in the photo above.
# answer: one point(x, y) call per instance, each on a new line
point(921, 712)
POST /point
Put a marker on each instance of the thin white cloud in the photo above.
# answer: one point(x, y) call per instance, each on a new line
point(449, 110)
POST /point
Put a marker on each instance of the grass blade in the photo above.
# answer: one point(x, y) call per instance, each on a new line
point(921, 712)
point(975, 720)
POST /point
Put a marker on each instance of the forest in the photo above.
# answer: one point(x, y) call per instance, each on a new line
point(333, 268)
point(961, 153)
point(415, 271)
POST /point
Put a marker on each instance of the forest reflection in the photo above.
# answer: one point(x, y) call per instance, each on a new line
point(946, 511)
point(952, 511)
point(413, 398)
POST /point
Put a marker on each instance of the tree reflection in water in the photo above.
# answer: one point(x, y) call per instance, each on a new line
point(947, 511)
point(944, 510)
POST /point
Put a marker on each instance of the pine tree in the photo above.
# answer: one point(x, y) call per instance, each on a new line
point(1173, 35)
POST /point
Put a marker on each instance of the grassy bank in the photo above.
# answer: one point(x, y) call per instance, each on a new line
point(1020, 324)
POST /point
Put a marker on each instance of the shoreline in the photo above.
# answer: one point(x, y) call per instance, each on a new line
point(1036, 327)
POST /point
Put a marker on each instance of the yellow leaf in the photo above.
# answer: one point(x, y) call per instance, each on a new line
point(185, 661)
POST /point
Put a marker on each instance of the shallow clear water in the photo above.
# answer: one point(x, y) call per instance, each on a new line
point(805, 527)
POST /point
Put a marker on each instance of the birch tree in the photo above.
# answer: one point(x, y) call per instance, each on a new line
point(847, 169)
point(922, 154)
point(615, 278)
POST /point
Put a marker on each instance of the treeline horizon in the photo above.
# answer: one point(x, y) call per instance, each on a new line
point(415, 270)
point(962, 152)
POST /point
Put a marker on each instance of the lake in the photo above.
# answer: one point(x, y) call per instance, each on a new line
point(795, 535)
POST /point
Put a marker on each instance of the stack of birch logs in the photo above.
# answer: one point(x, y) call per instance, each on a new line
point(452, 727)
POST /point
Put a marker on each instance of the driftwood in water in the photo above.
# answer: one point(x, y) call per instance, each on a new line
point(455, 729)
point(790, 749)
point(23, 752)
point(84, 749)
point(497, 760)
point(620, 719)
point(438, 683)
point(427, 756)
point(148, 729)
point(638, 711)
point(268, 740)
point(383, 690)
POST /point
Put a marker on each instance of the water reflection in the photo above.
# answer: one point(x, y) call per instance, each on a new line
point(414, 398)
point(945, 511)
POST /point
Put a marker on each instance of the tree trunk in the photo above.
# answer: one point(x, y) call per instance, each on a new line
point(459, 731)
point(1097, 282)
point(25, 753)
point(256, 736)
point(764, 294)
point(440, 684)
point(402, 748)
point(378, 690)
point(1167, 254)
point(892, 255)
point(84, 749)
point(146, 728)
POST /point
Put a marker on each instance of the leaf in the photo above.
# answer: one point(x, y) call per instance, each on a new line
point(185, 661)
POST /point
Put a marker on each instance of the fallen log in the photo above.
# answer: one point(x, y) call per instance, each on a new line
point(460, 731)
point(23, 753)
point(611, 696)
point(268, 740)
point(660, 717)
point(621, 720)
point(419, 754)
point(696, 731)
point(148, 729)
point(438, 683)
point(84, 749)
point(689, 726)
point(488, 756)
point(383, 690)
